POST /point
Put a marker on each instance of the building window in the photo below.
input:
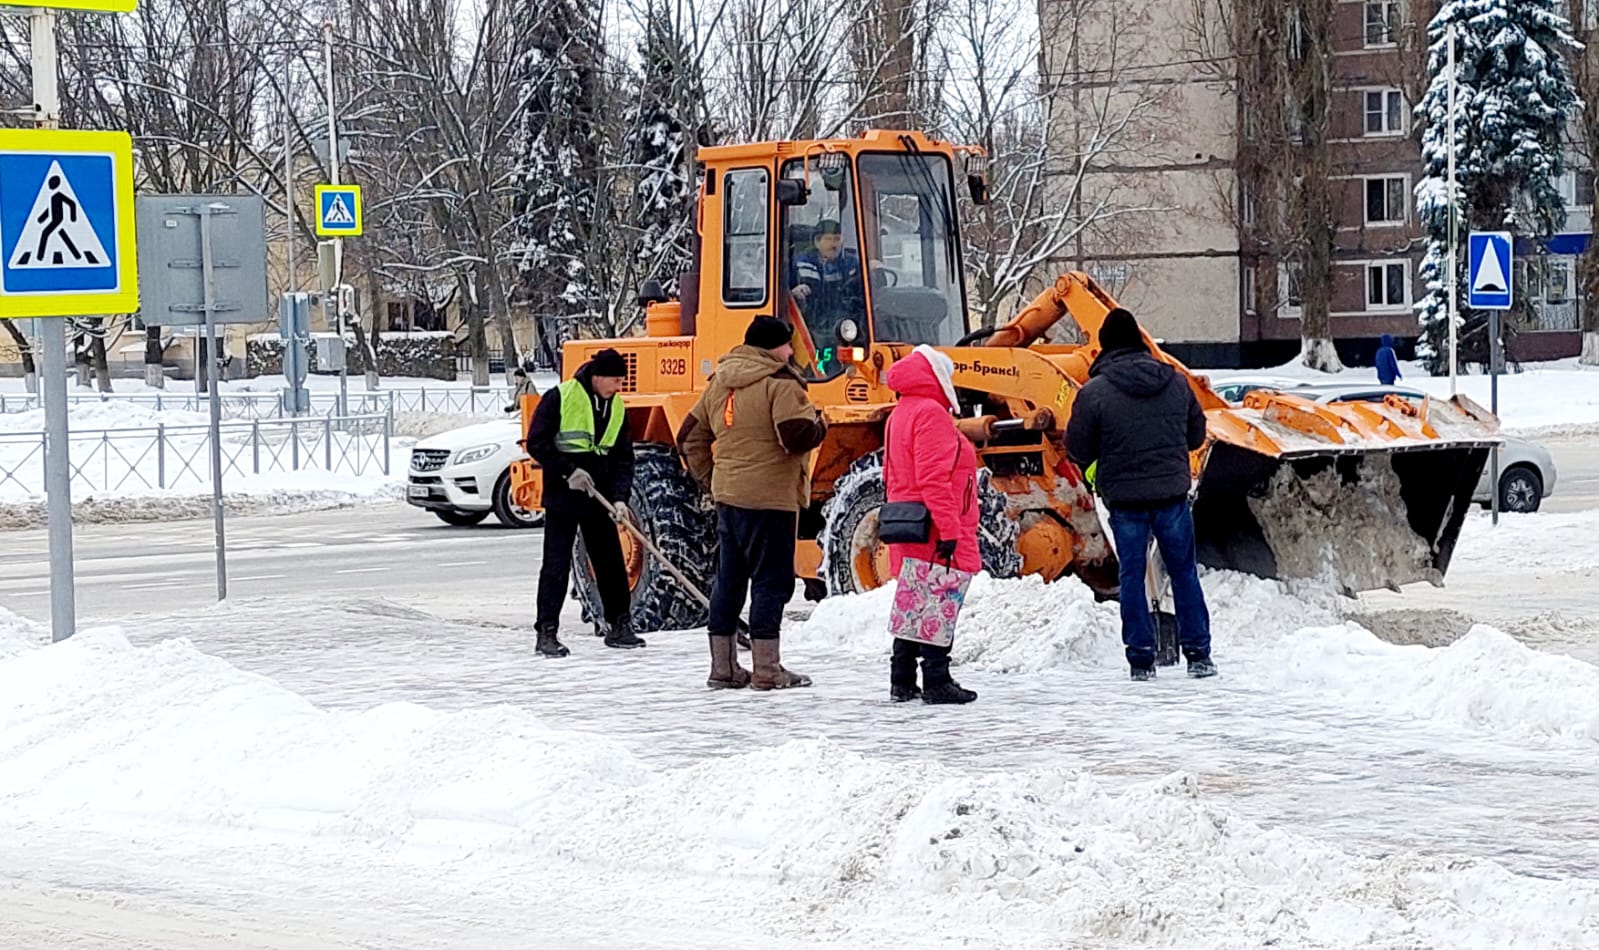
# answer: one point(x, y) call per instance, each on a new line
point(1382, 23)
point(1582, 187)
point(1247, 203)
point(1249, 290)
point(1385, 112)
point(745, 219)
point(1388, 285)
point(1291, 289)
point(1296, 35)
point(1385, 200)
point(1590, 14)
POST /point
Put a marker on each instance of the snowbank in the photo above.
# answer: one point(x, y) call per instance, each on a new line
point(267, 493)
point(1290, 636)
point(1545, 397)
point(17, 634)
point(1556, 543)
point(809, 835)
point(1486, 679)
point(110, 414)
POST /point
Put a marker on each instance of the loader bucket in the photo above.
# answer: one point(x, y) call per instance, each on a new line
point(1376, 500)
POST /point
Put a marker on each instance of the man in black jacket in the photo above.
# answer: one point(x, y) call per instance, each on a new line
point(1137, 421)
point(579, 436)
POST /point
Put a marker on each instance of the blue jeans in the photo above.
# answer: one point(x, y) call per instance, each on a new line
point(1173, 529)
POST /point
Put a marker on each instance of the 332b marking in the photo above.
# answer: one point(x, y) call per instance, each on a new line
point(674, 366)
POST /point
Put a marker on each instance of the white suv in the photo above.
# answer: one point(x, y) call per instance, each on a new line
point(464, 475)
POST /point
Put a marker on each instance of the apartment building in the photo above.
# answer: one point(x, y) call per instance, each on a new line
point(1189, 267)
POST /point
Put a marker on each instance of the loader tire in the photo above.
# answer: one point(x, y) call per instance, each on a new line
point(672, 512)
point(850, 530)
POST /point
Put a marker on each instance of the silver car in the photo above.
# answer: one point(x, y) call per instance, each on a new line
point(1526, 469)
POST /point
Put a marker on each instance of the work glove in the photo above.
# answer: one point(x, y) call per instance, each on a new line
point(581, 482)
point(1091, 476)
point(621, 512)
point(945, 551)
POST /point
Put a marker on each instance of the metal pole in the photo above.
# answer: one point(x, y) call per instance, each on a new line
point(208, 264)
point(1453, 281)
point(338, 243)
point(53, 367)
point(288, 163)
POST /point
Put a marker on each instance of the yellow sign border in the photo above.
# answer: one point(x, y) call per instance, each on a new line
point(354, 191)
point(119, 145)
point(89, 6)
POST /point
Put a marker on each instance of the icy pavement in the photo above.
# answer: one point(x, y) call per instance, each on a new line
point(397, 778)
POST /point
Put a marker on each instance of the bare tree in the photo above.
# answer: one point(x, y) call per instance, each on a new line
point(438, 119)
point(1055, 150)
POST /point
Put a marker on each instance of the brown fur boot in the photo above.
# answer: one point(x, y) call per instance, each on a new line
point(725, 670)
point(769, 672)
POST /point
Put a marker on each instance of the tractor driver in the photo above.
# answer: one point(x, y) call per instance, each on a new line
point(828, 284)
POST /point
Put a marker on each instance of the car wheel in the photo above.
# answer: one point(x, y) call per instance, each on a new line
point(506, 510)
point(1520, 490)
point(461, 519)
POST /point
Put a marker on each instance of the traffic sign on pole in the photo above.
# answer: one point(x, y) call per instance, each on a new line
point(1488, 280)
point(338, 210)
point(67, 244)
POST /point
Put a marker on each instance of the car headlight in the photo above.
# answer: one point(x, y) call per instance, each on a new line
point(476, 454)
point(849, 331)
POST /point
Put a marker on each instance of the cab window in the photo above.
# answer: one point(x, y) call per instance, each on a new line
point(744, 241)
point(824, 283)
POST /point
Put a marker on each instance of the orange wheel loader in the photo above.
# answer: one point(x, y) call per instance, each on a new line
point(856, 244)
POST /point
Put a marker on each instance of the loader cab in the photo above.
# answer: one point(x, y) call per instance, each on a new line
point(870, 253)
point(854, 242)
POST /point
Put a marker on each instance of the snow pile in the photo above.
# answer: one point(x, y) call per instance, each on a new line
point(816, 838)
point(1029, 626)
point(1557, 543)
point(1545, 398)
point(421, 425)
point(1486, 679)
point(17, 634)
point(267, 493)
point(1291, 636)
point(110, 414)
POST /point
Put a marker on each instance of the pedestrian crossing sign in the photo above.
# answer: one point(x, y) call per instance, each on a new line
point(66, 224)
point(1488, 271)
point(338, 210)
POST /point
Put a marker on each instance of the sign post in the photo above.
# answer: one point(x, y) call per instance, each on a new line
point(204, 265)
point(66, 249)
point(1489, 276)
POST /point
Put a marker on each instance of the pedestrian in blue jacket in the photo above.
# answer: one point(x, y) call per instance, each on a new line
point(1387, 362)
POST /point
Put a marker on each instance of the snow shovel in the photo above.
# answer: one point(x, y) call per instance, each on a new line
point(1158, 585)
point(677, 575)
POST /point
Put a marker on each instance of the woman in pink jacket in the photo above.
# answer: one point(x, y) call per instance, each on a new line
point(926, 459)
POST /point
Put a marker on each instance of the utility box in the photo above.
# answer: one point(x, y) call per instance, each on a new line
point(330, 354)
point(294, 327)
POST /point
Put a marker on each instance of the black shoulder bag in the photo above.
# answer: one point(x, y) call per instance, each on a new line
point(905, 522)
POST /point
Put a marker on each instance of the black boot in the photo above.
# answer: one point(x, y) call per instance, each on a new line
point(1200, 666)
point(621, 636)
point(940, 688)
point(547, 644)
point(902, 686)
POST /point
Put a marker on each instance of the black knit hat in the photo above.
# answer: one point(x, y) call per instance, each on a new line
point(768, 333)
point(608, 362)
point(1120, 332)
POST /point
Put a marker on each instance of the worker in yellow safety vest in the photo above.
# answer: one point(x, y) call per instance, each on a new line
point(579, 437)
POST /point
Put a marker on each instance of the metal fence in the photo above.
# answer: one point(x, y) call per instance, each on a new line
point(164, 456)
point(253, 406)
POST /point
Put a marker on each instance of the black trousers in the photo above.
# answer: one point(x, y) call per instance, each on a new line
point(754, 556)
point(562, 520)
point(902, 667)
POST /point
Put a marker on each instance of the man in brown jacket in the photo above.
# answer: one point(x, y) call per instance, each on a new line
point(755, 411)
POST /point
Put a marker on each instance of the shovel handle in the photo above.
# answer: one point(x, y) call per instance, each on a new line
point(649, 546)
